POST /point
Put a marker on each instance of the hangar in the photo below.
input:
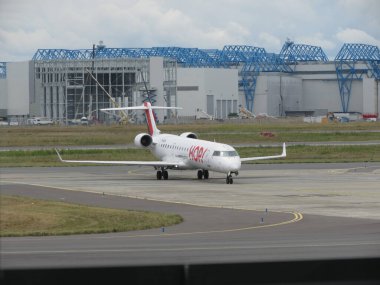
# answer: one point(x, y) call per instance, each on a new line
point(61, 84)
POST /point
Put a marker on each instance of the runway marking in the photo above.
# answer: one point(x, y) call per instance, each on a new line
point(173, 249)
point(297, 217)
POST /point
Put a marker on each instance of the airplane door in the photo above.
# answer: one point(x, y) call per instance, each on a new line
point(207, 158)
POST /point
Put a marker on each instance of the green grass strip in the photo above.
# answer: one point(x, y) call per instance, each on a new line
point(295, 154)
point(227, 132)
point(20, 216)
point(317, 154)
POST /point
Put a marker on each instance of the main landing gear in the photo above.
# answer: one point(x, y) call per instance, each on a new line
point(162, 174)
point(203, 174)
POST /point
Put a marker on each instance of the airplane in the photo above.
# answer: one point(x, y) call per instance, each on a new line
point(181, 152)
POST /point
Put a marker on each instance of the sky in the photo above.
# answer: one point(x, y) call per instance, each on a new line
point(28, 25)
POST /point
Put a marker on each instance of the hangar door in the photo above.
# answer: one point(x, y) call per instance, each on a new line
point(210, 105)
point(224, 108)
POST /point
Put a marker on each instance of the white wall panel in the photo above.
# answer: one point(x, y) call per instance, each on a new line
point(18, 88)
point(3, 94)
point(369, 96)
point(319, 94)
point(194, 84)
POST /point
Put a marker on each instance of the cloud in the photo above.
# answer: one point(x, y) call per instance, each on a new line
point(230, 33)
point(318, 39)
point(21, 42)
point(27, 25)
point(350, 35)
point(361, 15)
point(270, 42)
point(147, 24)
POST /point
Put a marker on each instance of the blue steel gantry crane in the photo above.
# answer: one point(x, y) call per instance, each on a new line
point(353, 62)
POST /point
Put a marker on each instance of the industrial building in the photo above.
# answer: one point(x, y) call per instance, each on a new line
point(300, 80)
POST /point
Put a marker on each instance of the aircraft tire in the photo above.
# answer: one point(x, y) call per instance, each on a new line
point(205, 174)
point(159, 175)
point(165, 174)
point(200, 174)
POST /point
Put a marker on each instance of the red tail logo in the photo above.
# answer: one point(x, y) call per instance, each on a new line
point(148, 118)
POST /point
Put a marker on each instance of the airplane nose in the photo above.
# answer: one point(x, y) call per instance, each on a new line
point(227, 164)
point(235, 164)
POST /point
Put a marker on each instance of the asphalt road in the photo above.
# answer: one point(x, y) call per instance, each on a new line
point(313, 211)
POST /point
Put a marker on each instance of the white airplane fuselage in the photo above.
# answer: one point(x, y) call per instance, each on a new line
point(192, 153)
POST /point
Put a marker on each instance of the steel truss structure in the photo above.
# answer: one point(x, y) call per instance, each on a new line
point(353, 62)
point(249, 60)
point(3, 70)
point(293, 53)
point(186, 57)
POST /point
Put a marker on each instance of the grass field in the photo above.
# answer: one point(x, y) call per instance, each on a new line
point(254, 132)
point(20, 216)
point(283, 131)
point(295, 154)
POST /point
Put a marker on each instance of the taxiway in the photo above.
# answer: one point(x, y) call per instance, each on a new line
point(271, 212)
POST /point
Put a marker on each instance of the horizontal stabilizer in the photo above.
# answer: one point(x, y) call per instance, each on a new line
point(142, 107)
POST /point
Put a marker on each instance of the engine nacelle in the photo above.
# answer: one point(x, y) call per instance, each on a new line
point(143, 140)
point(189, 135)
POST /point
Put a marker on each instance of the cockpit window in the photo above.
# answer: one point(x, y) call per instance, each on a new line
point(225, 153)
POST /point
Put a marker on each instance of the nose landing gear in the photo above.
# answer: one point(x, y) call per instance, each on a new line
point(229, 179)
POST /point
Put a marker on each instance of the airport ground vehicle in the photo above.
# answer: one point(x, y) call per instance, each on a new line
point(40, 121)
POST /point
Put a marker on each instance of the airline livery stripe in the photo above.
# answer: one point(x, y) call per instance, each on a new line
point(148, 119)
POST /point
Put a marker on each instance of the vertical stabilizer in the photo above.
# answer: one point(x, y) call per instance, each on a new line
point(148, 109)
point(151, 122)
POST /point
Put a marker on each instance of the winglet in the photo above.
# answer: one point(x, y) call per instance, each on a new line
point(59, 156)
point(283, 150)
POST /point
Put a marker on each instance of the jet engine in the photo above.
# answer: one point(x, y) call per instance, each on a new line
point(143, 140)
point(189, 135)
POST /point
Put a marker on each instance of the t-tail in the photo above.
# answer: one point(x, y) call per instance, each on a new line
point(151, 122)
point(148, 109)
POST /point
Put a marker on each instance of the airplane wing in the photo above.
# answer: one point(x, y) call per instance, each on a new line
point(120, 162)
point(283, 154)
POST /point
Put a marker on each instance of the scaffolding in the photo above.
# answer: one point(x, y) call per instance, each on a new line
point(67, 92)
